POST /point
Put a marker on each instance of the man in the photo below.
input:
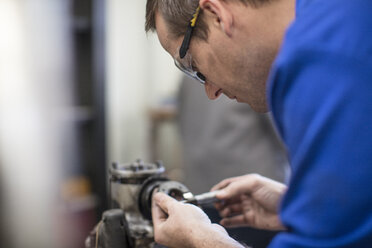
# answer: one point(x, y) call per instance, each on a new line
point(320, 93)
point(237, 140)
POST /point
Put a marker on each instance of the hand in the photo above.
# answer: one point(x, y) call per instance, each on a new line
point(184, 225)
point(250, 200)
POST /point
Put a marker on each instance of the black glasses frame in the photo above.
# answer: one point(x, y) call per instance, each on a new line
point(186, 43)
point(186, 40)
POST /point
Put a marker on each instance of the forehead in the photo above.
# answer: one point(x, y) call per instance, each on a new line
point(168, 43)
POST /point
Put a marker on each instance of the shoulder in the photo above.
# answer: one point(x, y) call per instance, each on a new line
point(320, 94)
point(338, 26)
point(328, 46)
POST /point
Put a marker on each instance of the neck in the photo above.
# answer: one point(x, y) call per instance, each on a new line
point(280, 14)
point(267, 23)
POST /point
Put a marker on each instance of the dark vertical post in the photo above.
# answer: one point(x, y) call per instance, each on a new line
point(99, 76)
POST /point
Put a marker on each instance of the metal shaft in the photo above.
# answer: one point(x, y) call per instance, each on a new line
point(203, 199)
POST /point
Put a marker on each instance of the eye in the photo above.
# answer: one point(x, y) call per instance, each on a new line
point(194, 67)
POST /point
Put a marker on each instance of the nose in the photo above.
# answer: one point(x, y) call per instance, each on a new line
point(212, 91)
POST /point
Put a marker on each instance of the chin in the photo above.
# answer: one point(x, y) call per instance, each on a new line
point(262, 110)
point(259, 108)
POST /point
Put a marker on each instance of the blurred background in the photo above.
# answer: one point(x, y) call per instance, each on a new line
point(81, 86)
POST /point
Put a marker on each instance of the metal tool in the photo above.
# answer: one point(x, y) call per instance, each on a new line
point(202, 200)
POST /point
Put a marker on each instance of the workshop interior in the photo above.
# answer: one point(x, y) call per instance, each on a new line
point(94, 117)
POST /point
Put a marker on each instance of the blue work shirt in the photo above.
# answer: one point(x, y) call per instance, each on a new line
point(321, 97)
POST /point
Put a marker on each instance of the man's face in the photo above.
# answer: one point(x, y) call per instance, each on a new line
point(233, 65)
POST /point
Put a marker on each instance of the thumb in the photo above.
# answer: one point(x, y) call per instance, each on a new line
point(220, 228)
point(164, 201)
point(232, 190)
point(227, 192)
point(160, 208)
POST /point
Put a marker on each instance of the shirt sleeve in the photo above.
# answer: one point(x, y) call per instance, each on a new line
point(322, 103)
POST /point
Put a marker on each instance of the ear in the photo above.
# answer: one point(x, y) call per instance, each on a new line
point(222, 15)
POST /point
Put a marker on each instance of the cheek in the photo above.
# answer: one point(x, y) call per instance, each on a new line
point(211, 66)
point(218, 69)
point(211, 60)
point(214, 65)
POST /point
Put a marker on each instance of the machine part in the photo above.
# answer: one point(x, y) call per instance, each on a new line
point(145, 195)
point(126, 181)
point(131, 189)
point(136, 172)
point(110, 232)
point(129, 183)
point(177, 190)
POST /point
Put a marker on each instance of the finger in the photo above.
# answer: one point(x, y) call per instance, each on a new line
point(247, 201)
point(163, 201)
point(239, 187)
point(230, 191)
point(226, 182)
point(219, 205)
point(158, 215)
point(246, 219)
point(225, 203)
point(232, 210)
point(221, 184)
point(232, 201)
point(235, 221)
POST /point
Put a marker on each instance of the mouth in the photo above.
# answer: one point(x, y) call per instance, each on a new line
point(230, 96)
point(220, 92)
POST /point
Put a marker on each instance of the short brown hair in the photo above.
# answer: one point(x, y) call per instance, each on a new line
point(178, 13)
